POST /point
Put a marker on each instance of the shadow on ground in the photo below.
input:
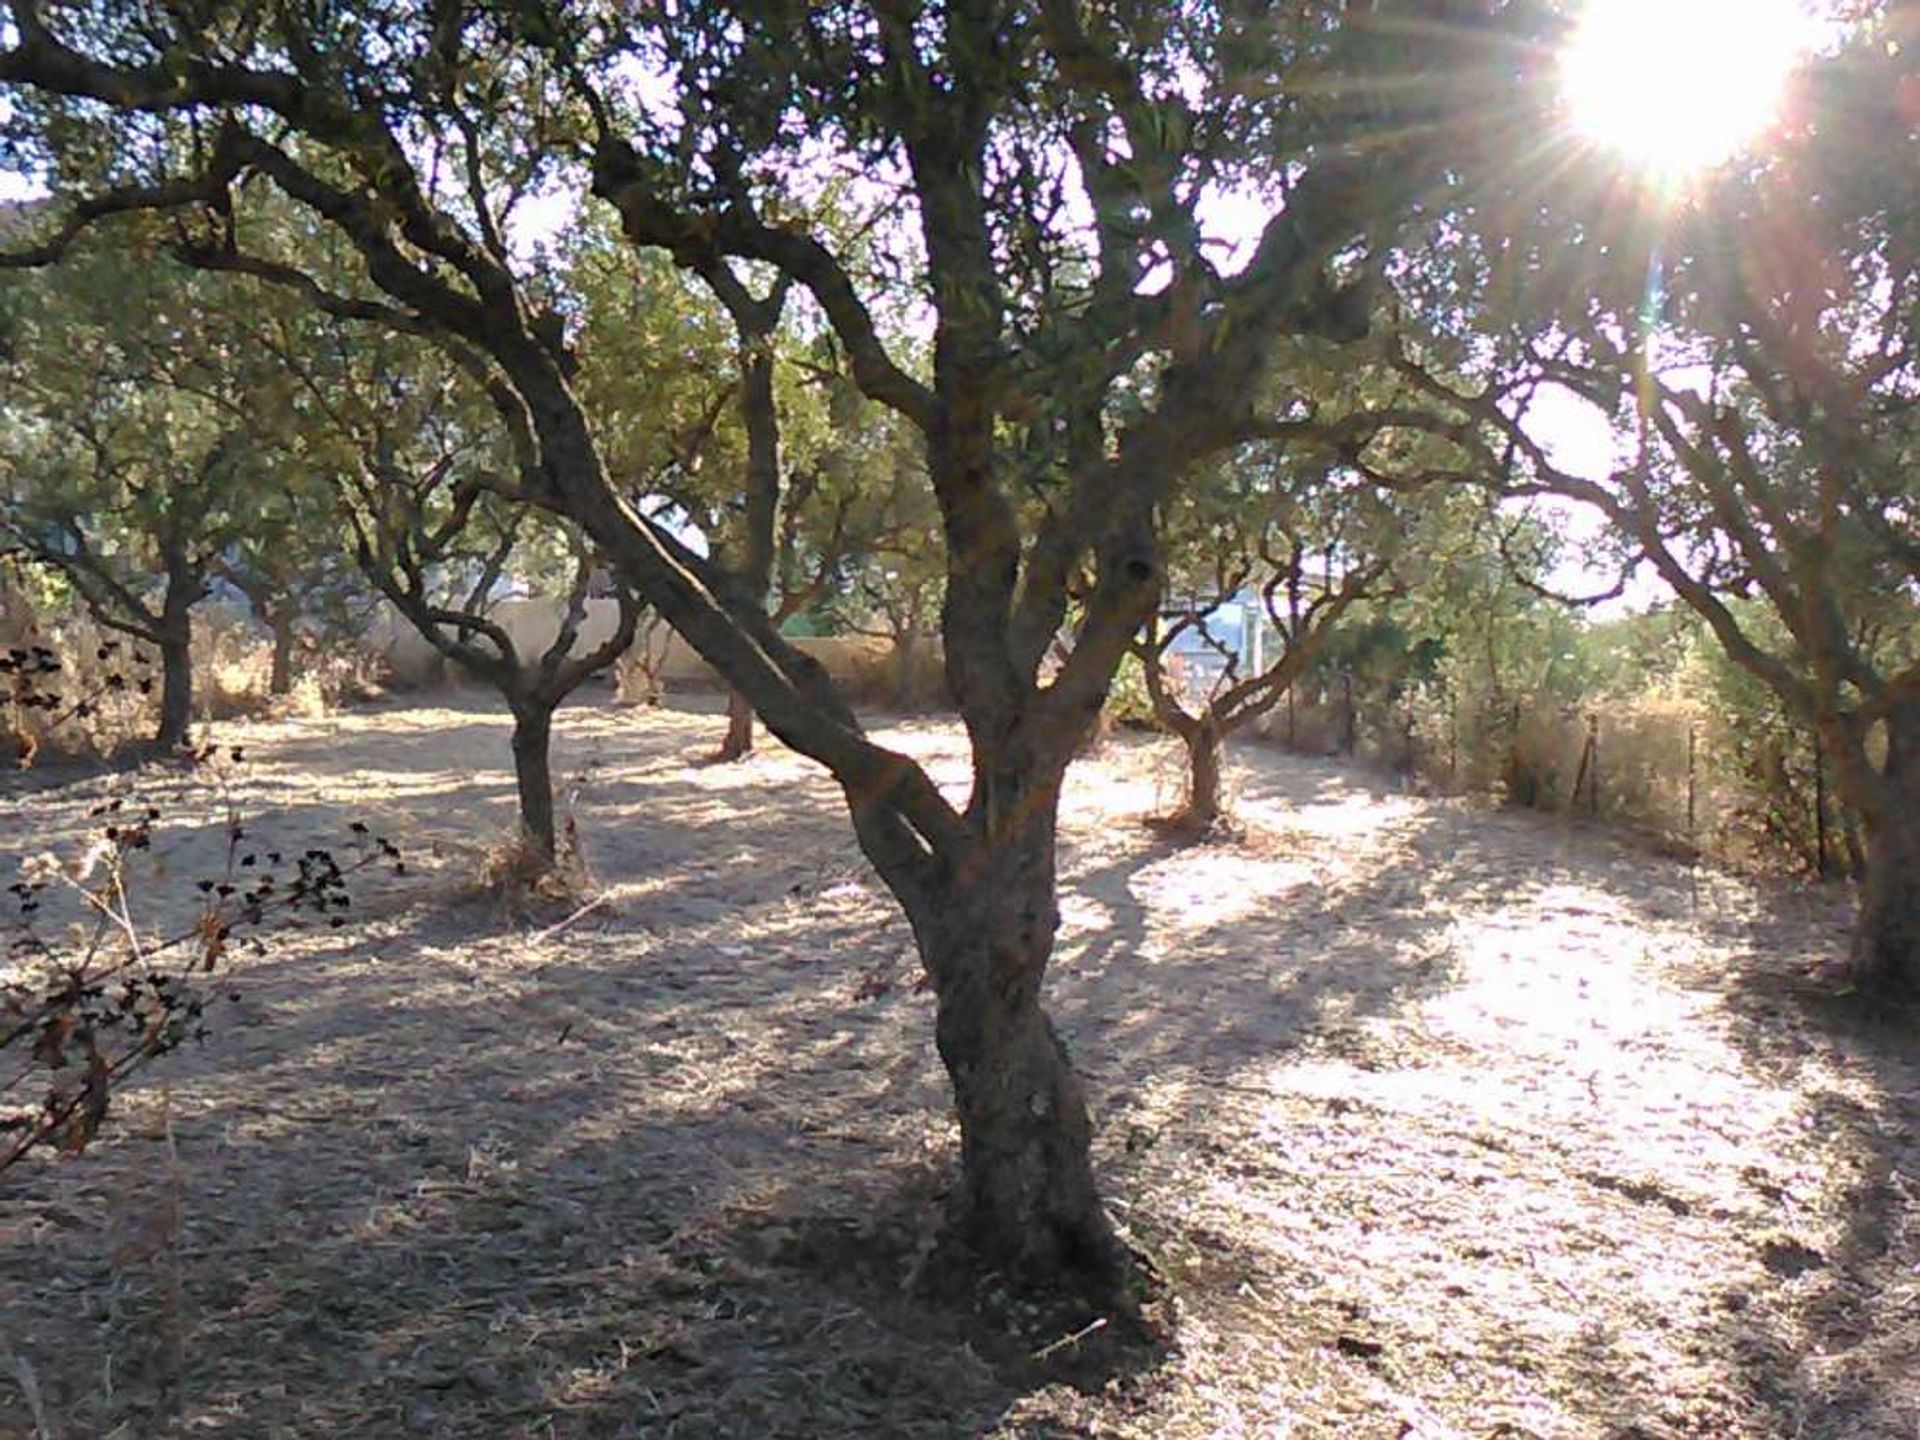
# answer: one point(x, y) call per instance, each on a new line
point(1386, 1086)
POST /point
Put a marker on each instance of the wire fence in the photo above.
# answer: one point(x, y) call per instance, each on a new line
point(1687, 780)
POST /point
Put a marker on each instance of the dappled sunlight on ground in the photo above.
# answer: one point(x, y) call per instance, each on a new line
point(1443, 1122)
point(1208, 888)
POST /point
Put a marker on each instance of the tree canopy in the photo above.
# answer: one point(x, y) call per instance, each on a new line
point(1000, 221)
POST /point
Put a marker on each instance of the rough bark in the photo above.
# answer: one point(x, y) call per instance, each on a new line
point(737, 744)
point(176, 685)
point(173, 635)
point(286, 638)
point(755, 322)
point(1029, 1204)
point(533, 776)
point(1205, 743)
point(1203, 735)
point(1886, 937)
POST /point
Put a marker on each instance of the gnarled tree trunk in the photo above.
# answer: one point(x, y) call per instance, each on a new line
point(755, 322)
point(173, 636)
point(1886, 937)
point(176, 684)
point(533, 775)
point(1029, 1203)
point(286, 639)
point(1206, 742)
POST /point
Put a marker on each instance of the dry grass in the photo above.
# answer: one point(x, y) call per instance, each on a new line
point(1446, 1123)
point(516, 875)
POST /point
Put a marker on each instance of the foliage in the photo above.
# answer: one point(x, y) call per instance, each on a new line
point(92, 989)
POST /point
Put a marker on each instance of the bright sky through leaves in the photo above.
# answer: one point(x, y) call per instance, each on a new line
point(1678, 86)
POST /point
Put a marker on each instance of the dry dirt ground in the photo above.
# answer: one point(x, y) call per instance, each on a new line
point(1442, 1122)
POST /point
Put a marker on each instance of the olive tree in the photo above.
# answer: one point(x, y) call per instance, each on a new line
point(1755, 348)
point(1284, 554)
point(1046, 170)
point(132, 469)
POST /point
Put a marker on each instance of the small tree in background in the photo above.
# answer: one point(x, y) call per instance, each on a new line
point(133, 471)
point(299, 582)
point(434, 536)
point(1267, 548)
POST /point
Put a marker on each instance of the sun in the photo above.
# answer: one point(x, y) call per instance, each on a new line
point(1677, 86)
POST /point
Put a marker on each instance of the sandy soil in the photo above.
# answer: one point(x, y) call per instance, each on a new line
point(1443, 1122)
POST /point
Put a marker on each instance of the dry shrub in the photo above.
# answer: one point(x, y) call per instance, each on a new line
point(231, 666)
point(868, 676)
point(233, 672)
point(99, 695)
point(307, 700)
point(522, 881)
point(639, 675)
point(1316, 725)
point(108, 685)
point(1643, 766)
point(1543, 762)
point(333, 675)
point(1665, 766)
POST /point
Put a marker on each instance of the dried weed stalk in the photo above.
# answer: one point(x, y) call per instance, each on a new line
point(87, 1004)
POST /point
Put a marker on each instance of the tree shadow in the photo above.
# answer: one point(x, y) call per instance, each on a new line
point(1826, 1325)
point(446, 1177)
point(676, 1166)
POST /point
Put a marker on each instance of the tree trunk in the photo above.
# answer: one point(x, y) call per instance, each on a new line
point(186, 585)
point(903, 656)
point(755, 322)
point(533, 775)
point(176, 685)
point(1204, 752)
point(1886, 937)
point(1029, 1204)
point(738, 743)
point(286, 638)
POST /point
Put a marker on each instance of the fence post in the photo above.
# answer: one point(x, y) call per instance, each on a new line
point(1822, 863)
point(1587, 774)
point(1453, 740)
point(1693, 785)
point(1593, 771)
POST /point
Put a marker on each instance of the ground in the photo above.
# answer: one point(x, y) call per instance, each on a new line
point(1440, 1122)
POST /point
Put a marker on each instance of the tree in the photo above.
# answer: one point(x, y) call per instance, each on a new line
point(756, 320)
point(419, 536)
point(893, 578)
point(710, 430)
point(1081, 362)
point(1757, 344)
point(293, 571)
point(1265, 547)
point(131, 474)
point(414, 462)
